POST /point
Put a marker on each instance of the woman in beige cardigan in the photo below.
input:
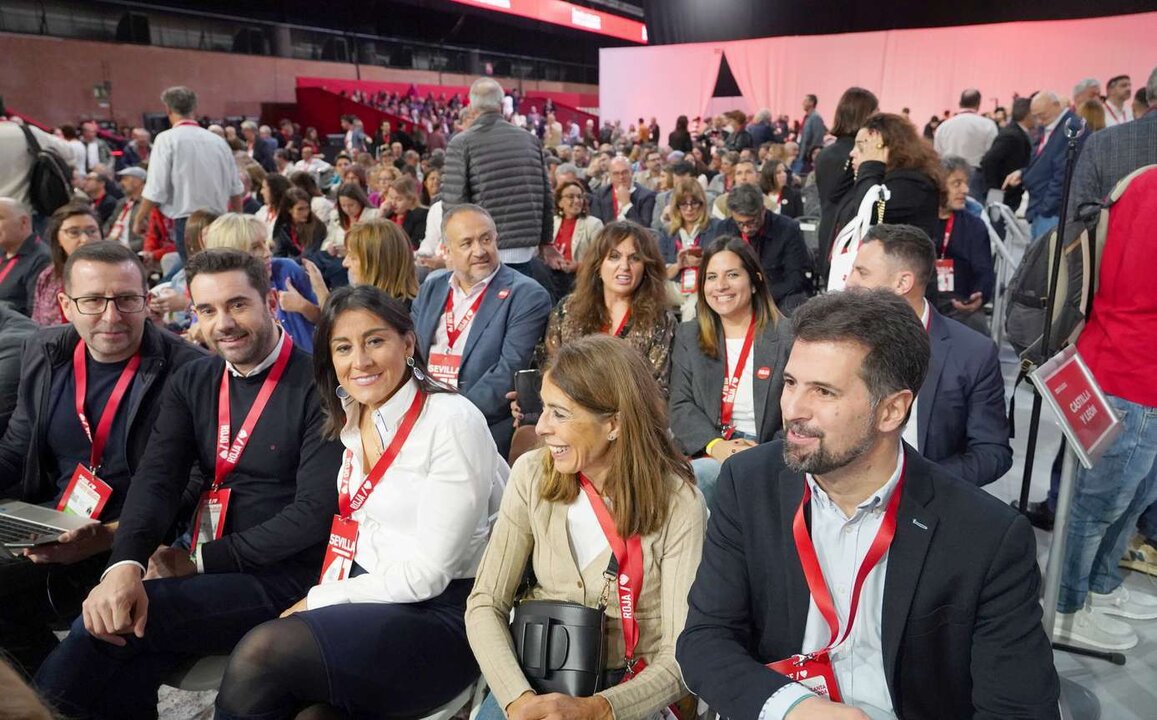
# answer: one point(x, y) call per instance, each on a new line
point(607, 451)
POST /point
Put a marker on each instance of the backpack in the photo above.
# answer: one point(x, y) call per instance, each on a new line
point(49, 178)
point(1077, 280)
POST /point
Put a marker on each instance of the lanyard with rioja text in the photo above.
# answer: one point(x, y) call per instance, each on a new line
point(629, 554)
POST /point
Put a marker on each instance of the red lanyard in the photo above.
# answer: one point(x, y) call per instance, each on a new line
point(11, 263)
point(815, 575)
point(615, 202)
point(629, 554)
point(622, 325)
point(453, 332)
point(104, 425)
point(947, 233)
point(1109, 109)
point(293, 238)
point(229, 455)
point(731, 382)
point(399, 219)
point(186, 122)
point(346, 503)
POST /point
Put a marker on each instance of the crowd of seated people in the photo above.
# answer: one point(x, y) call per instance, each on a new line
point(306, 425)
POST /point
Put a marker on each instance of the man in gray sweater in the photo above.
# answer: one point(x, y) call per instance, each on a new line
point(502, 168)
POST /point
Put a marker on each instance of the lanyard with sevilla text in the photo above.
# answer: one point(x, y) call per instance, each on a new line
point(343, 532)
point(209, 522)
point(453, 332)
point(731, 382)
point(814, 669)
point(629, 554)
point(87, 494)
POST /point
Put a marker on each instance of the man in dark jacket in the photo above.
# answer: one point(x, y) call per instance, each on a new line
point(261, 527)
point(777, 240)
point(502, 168)
point(1043, 176)
point(45, 442)
point(1009, 152)
point(14, 330)
point(621, 199)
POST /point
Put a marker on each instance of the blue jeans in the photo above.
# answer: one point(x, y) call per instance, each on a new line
point(1107, 502)
point(1147, 525)
point(1042, 224)
point(707, 469)
point(489, 709)
point(188, 617)
point(179, 237)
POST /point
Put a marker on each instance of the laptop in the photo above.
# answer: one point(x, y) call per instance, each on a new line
point(23, 525)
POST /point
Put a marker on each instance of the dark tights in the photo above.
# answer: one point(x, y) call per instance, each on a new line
point(277, 671)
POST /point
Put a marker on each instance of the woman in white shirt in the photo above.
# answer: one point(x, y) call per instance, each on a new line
point(352, 207)
point(383, 633)
point(727, 365)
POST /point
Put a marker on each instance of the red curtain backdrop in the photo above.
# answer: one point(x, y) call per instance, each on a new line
point(924, 69)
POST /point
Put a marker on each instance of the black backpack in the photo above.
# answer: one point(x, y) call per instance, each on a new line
point(49, 178)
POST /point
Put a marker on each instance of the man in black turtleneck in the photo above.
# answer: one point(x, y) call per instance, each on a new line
point(265, 550)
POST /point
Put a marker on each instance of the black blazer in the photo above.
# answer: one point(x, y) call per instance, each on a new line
point(414, 223)
point(915, 197)
point(783, 255)
point(697, 385)
point(962, 424)
point(642, 209)
point(1011, 150)
point(834, 179)
point(961, 630)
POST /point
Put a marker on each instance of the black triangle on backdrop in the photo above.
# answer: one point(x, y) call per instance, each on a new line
point(725, 85)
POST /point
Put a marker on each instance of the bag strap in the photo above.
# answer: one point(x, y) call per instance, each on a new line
point(33, 145)
point(610, 577)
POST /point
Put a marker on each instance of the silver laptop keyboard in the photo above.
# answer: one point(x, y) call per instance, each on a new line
point(17, 531)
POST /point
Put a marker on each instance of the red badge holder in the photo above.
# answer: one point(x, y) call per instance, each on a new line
point(690, 280)
point(86, 494)
point(339, 554)
point(445, 367)
point(209, 522)
point(945, 275)
point(814, 671)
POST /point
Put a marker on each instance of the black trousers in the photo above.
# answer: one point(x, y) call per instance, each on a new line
point(35, 599)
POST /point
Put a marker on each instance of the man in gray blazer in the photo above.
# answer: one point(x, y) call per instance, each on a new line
point(479, 323)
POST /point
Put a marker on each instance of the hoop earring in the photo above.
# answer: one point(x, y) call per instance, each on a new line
point(410, 362)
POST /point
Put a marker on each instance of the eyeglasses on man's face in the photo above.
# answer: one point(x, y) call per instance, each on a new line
point(746, 224)
point(97, 304)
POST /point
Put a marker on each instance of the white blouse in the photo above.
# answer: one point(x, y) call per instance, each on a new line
point(427, 521)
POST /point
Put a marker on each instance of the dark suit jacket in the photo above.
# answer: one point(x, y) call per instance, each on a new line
point(1011, 151)
point(697, 385)
point(1111, 154)
point(414, 223)
point(642, 205)
point(962, 423)
point(915, 197)
point(502, 339)
point(783, 255)
point(1043, 177)
point(961, 625)
point(263, 153)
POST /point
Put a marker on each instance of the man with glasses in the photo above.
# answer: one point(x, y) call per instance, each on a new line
point(622, 199)
point(777, 240)
point(22, 257)
point(109, 360)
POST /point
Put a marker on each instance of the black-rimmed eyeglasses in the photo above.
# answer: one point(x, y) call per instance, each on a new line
point(97, 304)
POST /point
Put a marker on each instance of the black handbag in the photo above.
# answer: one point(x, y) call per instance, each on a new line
point(560, 644)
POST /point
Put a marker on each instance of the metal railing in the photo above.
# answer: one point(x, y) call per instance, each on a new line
point(142, 23)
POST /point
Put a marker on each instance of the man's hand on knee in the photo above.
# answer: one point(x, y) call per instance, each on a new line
point(117, 606)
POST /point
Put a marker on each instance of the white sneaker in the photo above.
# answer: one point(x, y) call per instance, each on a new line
point(1090, 627)
point(1126, 603)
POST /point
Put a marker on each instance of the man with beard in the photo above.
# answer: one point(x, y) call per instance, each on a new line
point(843, 575)
point(250, 421)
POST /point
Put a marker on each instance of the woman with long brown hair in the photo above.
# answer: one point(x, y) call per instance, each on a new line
point(888, 151)
point(68, 228)
point(609, 481)
point(834, 174)
point(621, 291)
point(378, 254)
point(727, 365)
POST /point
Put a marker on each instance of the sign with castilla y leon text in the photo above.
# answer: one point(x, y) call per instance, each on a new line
point(1085, 416)
point(559, 12)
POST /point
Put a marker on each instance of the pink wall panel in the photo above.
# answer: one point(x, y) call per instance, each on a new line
point(922, 69)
